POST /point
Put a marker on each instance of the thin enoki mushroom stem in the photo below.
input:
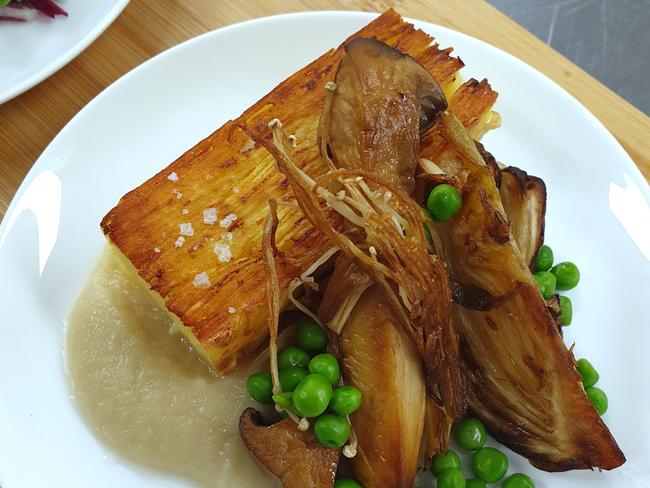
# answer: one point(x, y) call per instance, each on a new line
point(270, 251)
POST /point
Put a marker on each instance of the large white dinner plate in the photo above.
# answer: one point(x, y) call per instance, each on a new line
point(32, 51)
point(598, 216)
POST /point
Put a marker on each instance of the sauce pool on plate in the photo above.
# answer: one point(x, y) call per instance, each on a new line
point(146, 394)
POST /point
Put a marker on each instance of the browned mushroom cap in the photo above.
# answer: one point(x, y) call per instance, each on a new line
point(296, 458)
point(382, 101)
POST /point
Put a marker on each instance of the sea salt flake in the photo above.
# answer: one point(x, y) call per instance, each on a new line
point(235, 189)
point(180, 241)
point(186, 229)
point(210, 216)
point(227, 220)
point(156, 250)
point(227, 236)
point(172, 176)
point(179, 195)
point(201, 280)
point(185, 211)
point(223, 252)
point(249, 144)
point(232, 309)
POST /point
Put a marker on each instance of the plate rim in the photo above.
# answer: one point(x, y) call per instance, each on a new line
point(54, 66)
point(41, 165)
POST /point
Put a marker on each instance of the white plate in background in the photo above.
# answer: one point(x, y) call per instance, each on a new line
point(33, 50)
point(598, 216)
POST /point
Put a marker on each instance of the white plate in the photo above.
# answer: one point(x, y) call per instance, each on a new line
point(598, 216)
point(32, 51)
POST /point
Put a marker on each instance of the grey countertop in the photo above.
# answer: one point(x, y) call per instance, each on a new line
point(609, 39)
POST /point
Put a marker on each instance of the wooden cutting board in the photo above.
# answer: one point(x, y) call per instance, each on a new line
point(146, 27)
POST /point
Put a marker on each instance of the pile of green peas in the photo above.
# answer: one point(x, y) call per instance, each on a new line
point(565, 276)
point(308, 376)
point(489, 465)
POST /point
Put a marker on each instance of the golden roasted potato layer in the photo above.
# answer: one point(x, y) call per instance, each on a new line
point(212, 277)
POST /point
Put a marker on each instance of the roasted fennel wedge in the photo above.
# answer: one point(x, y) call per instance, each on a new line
point(381, 361)
point(524, 201)
point(522, 379)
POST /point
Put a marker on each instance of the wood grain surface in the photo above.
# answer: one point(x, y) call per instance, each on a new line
point(147, 27)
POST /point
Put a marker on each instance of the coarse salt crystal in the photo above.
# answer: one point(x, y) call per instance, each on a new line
point(227, 220)
point(201, 280)
point(156, 250)
point(179, 195)
point(185, 211)
point(210, 216)
point(186, 229)
point(249, 144)
point(235, 189)
point(172, 176)
point(180, 241)
point(232, 309)
point(223, 252)
point(227, 236)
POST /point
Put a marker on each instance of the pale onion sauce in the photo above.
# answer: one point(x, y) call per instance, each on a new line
point(144, 392)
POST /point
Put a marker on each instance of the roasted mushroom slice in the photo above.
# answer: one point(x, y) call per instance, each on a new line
point(296, 458)
point(382, 362)
point(523, 381)
point(383, 99)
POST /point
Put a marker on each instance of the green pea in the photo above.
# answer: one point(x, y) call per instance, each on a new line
point(450, 478)
point(260, 387)
point(444, 202)
point(444, 460)
point(566, 310)
point(290, 377)
point(598, 398)
point(312, 395)
point(346, 483)
point(518, 480)
point(345, 400)
point(474, 483)
point(326, 365)
point(293, 356)
point(544, 259)
point(311, 336)
point(471, 434)
point(567, 275)
point(489, 464)
point(331, 430)
point(546, 283)
point(588, 373)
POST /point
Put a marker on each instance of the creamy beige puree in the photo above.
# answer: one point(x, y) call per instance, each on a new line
point(146, 394)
